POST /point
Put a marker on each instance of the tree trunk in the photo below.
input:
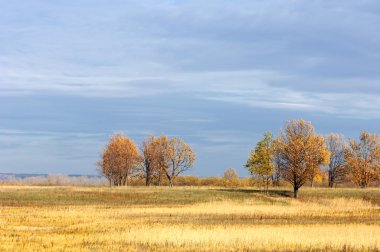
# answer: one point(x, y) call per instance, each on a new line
point(295, 193)
point(312, 183)
point(159, 178)
point(331, 184)
point(148, 181)
point(275, 182)
point(331, 181)
point(170, 181)
point(124, 180)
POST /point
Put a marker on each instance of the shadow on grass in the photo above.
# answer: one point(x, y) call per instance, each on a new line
point(281, 193)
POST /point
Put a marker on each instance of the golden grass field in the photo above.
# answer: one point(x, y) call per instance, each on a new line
point(183, 219)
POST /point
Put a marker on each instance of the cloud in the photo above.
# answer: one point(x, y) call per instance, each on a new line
point(313, 56)
point(217, 72)
point(252, 88)
point(356, 105)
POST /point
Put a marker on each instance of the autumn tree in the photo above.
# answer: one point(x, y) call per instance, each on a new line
point(161, 163)
point(363, 159)
point(231, 178)
point(314, 172)
point(230, 173)
point(150, 158)
point(300, 151)
point(176, 158)
point(260, 161)
point(336, 170)
point(276, 177)
point(119, 160)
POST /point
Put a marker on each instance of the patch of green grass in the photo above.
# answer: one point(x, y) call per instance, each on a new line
point(38, 196)
point(47, 196)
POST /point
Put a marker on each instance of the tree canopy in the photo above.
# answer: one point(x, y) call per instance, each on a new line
point(119, 159)
point(260, 161)
point(300, 153)
point(363, 159)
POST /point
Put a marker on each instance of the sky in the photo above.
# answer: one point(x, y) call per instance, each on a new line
point(216, 73)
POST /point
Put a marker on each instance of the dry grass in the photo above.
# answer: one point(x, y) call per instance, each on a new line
point(204, 219)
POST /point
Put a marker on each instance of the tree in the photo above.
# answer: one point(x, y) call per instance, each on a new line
point(119, 160)
point(231, 178)
point(260, 161)
point(150, 158)
point(336, 170)
point(230, 173)
point(277, 168)
point(161, 162)
point(300, 151)
point(177, 157)
point(363, 159)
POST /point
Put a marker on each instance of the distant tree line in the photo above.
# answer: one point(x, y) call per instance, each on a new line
point(156, 159)
point(299, 155)
point(136, 179)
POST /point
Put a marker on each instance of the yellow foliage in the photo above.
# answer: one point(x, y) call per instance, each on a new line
point(300, 152)
point(363, 159)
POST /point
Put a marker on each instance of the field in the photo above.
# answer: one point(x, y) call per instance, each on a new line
point(183, 219)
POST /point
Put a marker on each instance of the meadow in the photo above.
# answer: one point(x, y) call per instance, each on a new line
point(36, 218)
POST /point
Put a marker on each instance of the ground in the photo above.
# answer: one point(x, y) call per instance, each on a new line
point(195, 219)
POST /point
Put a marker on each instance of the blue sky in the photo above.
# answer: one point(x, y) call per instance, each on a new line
point(217, 73)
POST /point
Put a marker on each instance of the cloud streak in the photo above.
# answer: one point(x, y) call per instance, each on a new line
point(250, 88)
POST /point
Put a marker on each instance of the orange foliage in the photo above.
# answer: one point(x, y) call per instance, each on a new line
point(363, 159)
point(119, 160)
